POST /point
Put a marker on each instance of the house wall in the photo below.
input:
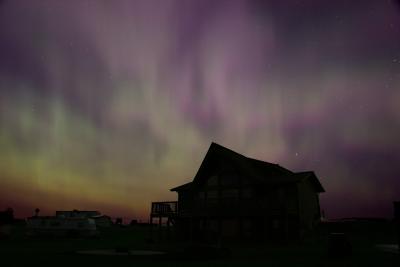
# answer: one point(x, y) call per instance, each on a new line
point(278, 206)
point(221, 194)
point(244, 209)
point(309, 209)
point(185, 202)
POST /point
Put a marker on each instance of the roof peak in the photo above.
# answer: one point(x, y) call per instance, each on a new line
point(252, 168)
point(215, 145)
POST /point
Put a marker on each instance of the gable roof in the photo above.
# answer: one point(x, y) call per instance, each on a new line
point(313, 178)
point(257, 170)
point(218, 154)
point(183, 187)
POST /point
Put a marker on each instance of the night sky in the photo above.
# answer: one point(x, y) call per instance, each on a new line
point(107, 105)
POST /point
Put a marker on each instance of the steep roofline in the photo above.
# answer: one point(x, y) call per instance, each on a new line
point(254, 168)
point(240, 159)
point(182, 187)
point(314, 179)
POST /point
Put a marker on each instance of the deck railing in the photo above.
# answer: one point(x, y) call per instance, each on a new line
point(164, 208)
point(240, 207)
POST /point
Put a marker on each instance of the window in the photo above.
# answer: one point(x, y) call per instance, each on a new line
point(230, 179)
point(212, 194)
point(202, 195)
point(247, 193)
point(281, 195)
point(213, 180)
point(212, 197)
point(230, 193)
point(246, 180)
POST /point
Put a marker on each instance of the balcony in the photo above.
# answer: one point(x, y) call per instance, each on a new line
point(164, 209)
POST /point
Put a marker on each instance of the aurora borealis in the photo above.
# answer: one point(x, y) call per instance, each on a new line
point(107, 105)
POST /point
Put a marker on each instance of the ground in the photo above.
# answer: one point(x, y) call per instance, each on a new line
point(20, 250)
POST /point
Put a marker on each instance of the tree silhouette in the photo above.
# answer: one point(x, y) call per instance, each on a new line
point(37, 210)
point(118, 221)
point(10, 214)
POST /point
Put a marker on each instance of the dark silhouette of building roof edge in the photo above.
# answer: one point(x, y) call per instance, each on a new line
point(253, 167)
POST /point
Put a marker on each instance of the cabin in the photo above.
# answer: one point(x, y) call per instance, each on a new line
point(236, 197)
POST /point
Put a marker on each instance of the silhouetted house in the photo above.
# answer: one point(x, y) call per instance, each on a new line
point(233, 196)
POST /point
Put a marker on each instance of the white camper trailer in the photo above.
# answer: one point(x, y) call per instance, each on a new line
point(58, 226)
point(102, 221)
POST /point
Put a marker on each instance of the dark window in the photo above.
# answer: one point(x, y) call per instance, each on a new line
point(230, 179)
point(230, 193)
point(213, 180)
point(202, 195)
point(212, 194)
point(212, 197)
point(247, 193)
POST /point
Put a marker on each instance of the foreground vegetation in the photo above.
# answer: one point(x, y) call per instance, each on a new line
point(20, 250)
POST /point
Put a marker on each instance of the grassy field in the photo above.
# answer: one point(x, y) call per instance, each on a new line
point(20, 250)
